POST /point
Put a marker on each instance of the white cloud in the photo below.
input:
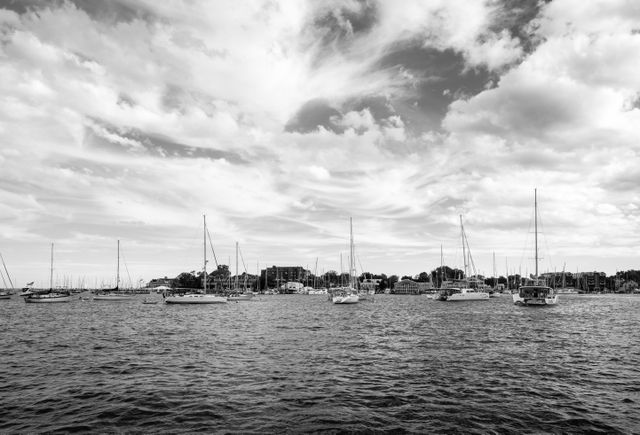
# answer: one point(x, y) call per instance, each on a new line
point(81, 98)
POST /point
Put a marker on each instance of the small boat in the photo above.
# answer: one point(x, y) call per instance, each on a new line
point(470, 289)
point(51, 295)
point(149, 302)
point(535, 293)
point(345, 295)
point(196, 297)
point(5, 294)
point(114, 294)
point(462, 294)
point(240, 297)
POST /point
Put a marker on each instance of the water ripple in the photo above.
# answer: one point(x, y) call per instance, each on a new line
point(300, 364)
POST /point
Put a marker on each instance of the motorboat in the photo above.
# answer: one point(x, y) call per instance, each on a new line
point(535, 295)
point(462, 294)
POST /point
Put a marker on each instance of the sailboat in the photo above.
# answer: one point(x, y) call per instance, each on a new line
point(239, 294)
point(50, 295)
point(536, 293)
point(196, 297)
point(7, 291)
point(464, 292)
point(349, 294)
point(115, 294)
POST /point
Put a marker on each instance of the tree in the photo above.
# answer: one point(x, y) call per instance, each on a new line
point(187, 280)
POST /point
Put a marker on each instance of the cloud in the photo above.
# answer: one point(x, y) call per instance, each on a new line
point(279, 120)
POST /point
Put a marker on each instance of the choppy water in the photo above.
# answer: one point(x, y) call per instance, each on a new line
point(300, 364)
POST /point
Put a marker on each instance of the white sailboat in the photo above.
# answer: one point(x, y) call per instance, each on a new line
point(463, 292)
point(51, 295)
point(348, 294)
point(6, 292)
point(239, 294)
point(535, 293)
point(196, 297)
point(115, 294)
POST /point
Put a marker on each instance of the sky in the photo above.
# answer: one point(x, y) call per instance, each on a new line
point(279, 120)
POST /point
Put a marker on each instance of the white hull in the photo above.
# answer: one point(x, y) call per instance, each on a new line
point(346, 299)
point(469, 296)
point(195, 299)
point(113, 297)
point(47, 298)
point(518, 300)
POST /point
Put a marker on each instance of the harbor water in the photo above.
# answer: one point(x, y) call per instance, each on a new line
point(296, 363)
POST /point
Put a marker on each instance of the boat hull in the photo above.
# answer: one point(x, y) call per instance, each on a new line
point(471, 296)
point(47, 299)
point(113, 297)
point(533, 302)
point(195, 299)
point(346, 299)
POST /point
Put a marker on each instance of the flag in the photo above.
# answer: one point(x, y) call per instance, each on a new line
point(30, 283)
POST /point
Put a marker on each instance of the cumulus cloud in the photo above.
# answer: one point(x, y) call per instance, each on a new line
point(279, 120)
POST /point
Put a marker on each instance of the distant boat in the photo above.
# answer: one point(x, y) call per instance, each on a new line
point(149, 302)
point(536, 293)
point(463, 292)
point(239, 294)
point(51, 295)
point(349, 294)
point(114, 294)
point(195, 297)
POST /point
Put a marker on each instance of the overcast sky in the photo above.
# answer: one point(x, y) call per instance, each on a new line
point(130, 119)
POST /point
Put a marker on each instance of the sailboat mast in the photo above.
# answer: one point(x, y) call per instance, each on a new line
point(535, 206)
point(464, 252)
point(236, 281)
point(118, 268)
point(51, 275)
point(204, 246)
point(351, 278)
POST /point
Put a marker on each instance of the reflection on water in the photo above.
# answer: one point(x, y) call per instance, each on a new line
point(299, 363)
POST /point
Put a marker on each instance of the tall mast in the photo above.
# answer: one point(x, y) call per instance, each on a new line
point(51, 276)
point(464, 252)
point(204, 245)
point(442, 274)
point(118, 268)
point(351, 278)
point(535, 206)
point(236, 281)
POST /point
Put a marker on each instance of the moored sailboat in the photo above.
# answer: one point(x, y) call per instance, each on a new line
point(114, 294)
point(536, 293)
point(6, 292)
point(348, 294)
point(195, 297)
point(464, 291)
point(51, 295)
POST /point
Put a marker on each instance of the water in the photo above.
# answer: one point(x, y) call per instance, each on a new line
point(300, 364)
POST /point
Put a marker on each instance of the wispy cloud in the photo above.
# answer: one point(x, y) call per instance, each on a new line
point(279, 120)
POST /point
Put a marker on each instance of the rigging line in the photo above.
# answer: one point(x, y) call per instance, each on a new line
point(4, 282)
point(126, 268)
point(6, 271)
point(526, 240)
point(211, 245)
point(242, 259)
point(473, 265)
point(546, 242)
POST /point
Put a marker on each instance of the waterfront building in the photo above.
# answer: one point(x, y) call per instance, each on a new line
point(411, 287)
